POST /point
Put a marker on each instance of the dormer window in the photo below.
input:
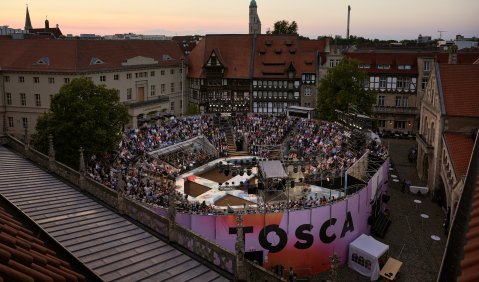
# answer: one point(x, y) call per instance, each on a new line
point(364, 66)
point(43, 61)
point(384, 66)
point(269, 42)
point(95, 61)
point(288, 43)
point(277, 51)
point(166, 57)
point(404, 67)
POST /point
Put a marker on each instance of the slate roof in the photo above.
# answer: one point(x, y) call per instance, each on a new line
point(76, 55)
point(460, 148)
point(460, 88)
point(108, 244)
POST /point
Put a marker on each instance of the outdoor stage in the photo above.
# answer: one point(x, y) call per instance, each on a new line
point(208, 184)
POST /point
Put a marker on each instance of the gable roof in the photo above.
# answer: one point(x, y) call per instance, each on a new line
point(460, 89)
point(460, 148)
point(234, 50)
point(76, 55)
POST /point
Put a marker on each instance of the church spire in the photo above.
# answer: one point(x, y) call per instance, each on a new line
point(28, 22)
point(254, 21)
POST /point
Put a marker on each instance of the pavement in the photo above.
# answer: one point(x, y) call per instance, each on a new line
point(409, 235)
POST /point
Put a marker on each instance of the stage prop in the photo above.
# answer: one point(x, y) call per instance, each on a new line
point(364, 253)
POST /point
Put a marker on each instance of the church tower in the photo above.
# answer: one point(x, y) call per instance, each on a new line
point(28, 22)
point(254, 22)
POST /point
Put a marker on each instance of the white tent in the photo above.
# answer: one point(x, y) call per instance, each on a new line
point(364, 253)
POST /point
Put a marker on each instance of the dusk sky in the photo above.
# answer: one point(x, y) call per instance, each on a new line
point(383, 19)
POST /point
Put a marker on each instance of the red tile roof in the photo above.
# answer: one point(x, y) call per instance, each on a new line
point(234, 49)
point(393, 59)
point(462, 57)
point(275, 53)
point(460, 148)
point(272, 55)
point(76, 55)
point(470, 261)
point(460, 88)
point(23, 257)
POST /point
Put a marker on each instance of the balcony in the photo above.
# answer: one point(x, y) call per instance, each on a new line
point(395, 110)
point(159, 100)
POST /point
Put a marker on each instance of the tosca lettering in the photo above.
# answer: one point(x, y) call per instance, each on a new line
point(303, 234)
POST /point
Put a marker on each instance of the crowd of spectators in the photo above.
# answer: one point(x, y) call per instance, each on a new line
point(262, 131)
point(152, 180)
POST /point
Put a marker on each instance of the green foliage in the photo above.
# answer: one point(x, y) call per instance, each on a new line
point(192, 110)
point(342, 88)
point(284, 27)
point(84, 115)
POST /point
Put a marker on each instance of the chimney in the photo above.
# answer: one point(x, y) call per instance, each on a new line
point(47, 24)
point(452, 54)
point(349, 15)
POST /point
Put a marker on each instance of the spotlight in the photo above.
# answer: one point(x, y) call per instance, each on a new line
point(227, 172)
point(248, 172)
point(241, 173)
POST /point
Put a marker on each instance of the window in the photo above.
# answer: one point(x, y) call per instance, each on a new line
point(424, 82)
point(427, 66)
point(7, 78)
point(382, 82)
point(172, 87)
point(116, 77)
point(307, 91)
point(9, 98)
point(128, 93)
point(374, 82)
point(162, 88)
point(384, 66)
point(364, 66)
point(152, 73)
point(381, 100)
point(331, 63)
point(66, 80)
point(128, 76)
point(404, 67)
point(152, 90)
point(36, 79)
point(162, 72)
point(102, 78)
point(403, 83)
point(10, 121)
point(51, 80)
point(21, 79)
point(172, 106)
point(172, 71)
point(38, 101)
point(401, 124)
point(23, 99)
point(381, 123)
point(398, 101)
point(25, 122)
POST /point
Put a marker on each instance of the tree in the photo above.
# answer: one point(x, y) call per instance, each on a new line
point(343, 88)
point(192, 110)
point(284, 27)
point(81, 114)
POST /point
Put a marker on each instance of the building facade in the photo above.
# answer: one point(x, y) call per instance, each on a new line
point(254, 73)
point(449, 118)
point(149, 76)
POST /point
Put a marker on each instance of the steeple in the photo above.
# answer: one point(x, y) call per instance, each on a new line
point(254, 22)
point(28, 22)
